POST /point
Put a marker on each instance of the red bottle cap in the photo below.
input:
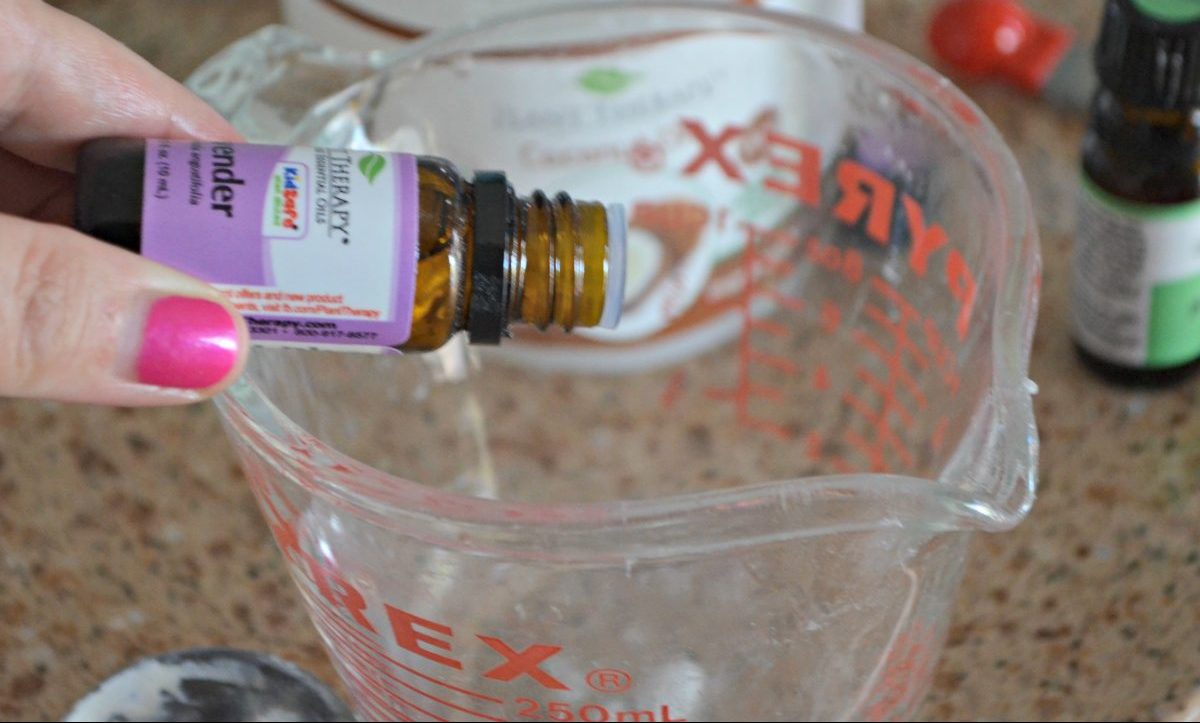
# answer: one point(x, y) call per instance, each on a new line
point(998, 39)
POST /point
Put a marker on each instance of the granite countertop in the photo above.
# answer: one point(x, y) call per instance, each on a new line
point(125, 533)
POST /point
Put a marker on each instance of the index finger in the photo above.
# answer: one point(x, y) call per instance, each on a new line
point(63, 82)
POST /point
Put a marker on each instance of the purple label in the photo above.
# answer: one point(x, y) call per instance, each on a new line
point(314, 246)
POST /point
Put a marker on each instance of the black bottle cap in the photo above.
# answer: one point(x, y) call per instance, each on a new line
point(488, 317)
point(1148, 52)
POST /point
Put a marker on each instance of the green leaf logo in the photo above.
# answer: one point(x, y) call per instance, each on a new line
point(371, 166)
point(606, 81)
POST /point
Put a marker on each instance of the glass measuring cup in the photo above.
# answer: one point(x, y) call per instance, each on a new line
point(752, 500)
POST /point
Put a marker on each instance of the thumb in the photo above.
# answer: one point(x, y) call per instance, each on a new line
point(82, 321)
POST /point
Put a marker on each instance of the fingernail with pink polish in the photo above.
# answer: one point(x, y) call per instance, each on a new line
point(187, 343)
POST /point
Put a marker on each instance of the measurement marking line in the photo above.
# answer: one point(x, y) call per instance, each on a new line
point(898, 446)
point(380, 708)
point(372, 697)
point(256, 484)
point(890, 404)
point(888, 393)
point(392, 696)
point(756, 264)
point(893, 295)
point(776, 430)
point(365, 710)
point(892, 362)
point(812, 446)
point(368, 707)
point(939, 434)
point(879, 316)
point(820, 379)
point(375, 647)
point(388, 711)
point(365, 659)
point(349, 481)
point(779, 238)
point(878, 421)
point(899, 333)
point(831, 316)
point(858, 405)
point(942, 355)
point(773, 328)
point(788, 302)
point(782, 363)
point(268, 489)
point(759, 390)
point(870, 451)
point(743, 394)
point(721, 395)
point(772, 265)
point(674, 389)
point(841, 465)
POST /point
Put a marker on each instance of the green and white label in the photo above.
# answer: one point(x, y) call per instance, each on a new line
point(1136, 280)
point(1170, 11)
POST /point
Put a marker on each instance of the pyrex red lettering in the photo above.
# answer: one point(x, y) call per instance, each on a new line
point(666, 715)
point(404, 629)
point(802, 162)
point(962, 287)
point(525, 662)
point(711, 149)
point(332, 586)
point(341, 594)
point(865, 192)
point(924, 240)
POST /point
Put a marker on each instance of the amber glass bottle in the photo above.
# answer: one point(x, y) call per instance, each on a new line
point(317, 247)
point(1136, 266)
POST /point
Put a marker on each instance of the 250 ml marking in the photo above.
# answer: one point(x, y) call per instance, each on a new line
point(589, 712)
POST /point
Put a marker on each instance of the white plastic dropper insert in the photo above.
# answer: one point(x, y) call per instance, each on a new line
point(614, 279)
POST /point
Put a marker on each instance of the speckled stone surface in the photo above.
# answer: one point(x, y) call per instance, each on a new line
point(128, 533)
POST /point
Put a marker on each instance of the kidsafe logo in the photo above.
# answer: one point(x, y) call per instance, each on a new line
point(291, 191)
point(286, 212)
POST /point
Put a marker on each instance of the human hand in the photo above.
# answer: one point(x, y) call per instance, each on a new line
point(80, 320)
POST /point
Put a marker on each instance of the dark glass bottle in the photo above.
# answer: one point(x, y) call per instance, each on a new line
point(486, 257)
point(1136, 266)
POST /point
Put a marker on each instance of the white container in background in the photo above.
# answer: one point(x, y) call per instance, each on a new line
point(372, 24)
point(614, 126)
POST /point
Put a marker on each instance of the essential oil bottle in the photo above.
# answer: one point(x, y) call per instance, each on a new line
point(1136, 265)
point(332, 248)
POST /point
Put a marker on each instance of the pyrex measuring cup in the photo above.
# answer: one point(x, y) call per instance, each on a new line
point(749, 502)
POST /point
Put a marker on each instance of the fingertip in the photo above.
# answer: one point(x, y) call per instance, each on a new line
point(191, 343)
point(202, 122)
point(241, 359)
point(57, 66)
point(86, 322)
